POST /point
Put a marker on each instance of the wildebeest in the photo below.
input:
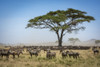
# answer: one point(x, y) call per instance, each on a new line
point(73, 54)
point(70, 54)
point(95, 51)
point(14, 53)
point(76, 55)
point(35, 52)
point(50, 54)
point(4, 52)
point(64, 54)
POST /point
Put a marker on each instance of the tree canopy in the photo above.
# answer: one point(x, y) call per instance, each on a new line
point(73, 40)
point(61, 22)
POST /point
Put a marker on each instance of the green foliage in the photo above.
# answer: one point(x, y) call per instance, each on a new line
point(60, 19)
point(73, 40)
point(61, 22)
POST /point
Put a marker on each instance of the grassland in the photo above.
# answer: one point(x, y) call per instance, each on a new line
point(87, 59)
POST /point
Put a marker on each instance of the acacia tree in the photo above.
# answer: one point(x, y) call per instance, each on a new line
point(73, 40)
point(61, 22)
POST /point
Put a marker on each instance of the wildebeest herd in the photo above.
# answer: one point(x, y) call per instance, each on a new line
point(11, 51)
point(16, 51)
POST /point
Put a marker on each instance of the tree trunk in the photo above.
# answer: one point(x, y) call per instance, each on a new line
point(60, 42)
point(60, 37)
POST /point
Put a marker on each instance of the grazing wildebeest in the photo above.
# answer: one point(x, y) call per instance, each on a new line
point(50, 54)
point(35, 52)
point(64, 54)
point(96, 51)
point(4, 52)
point(73, 54)
point(15, 52)
point(76, 55)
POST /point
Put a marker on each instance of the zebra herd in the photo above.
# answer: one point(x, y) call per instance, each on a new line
point(35, 51)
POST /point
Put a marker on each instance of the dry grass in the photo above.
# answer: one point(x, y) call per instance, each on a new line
point(87, 59)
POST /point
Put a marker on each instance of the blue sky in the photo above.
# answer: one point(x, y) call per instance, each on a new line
point(14, 16)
